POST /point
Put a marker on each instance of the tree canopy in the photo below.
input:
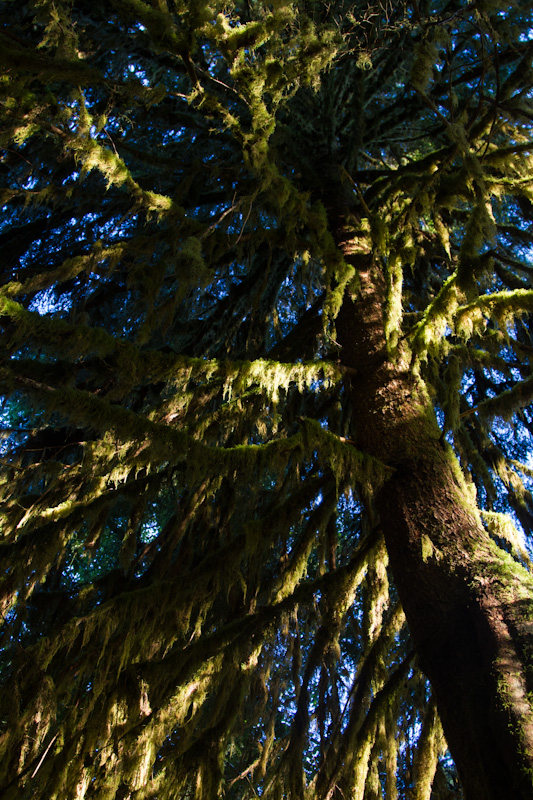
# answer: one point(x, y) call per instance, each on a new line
point(266, 319)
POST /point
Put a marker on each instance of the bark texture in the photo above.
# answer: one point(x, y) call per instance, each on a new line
point(468, 604)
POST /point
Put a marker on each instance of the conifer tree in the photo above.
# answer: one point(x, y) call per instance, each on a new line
point(266, 309)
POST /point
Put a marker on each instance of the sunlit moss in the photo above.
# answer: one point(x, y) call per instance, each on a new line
point(197, 596)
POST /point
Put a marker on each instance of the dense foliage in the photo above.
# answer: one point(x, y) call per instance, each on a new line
point(195, 588)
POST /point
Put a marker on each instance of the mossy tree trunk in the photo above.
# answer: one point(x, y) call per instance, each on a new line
point(468, 604)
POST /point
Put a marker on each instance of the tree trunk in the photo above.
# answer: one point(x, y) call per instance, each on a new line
point(468, 604)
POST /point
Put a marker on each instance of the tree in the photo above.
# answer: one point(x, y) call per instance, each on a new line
point(266, 324)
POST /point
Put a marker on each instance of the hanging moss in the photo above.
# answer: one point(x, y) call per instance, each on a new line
point(426, 56)
point(196, 594)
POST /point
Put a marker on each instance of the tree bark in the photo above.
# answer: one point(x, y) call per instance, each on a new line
point(468, 604)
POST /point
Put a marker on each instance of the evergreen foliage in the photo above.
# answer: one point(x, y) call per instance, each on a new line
point(195, 586)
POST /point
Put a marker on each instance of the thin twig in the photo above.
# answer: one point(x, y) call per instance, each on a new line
point(244, 223)
point(34, 773)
